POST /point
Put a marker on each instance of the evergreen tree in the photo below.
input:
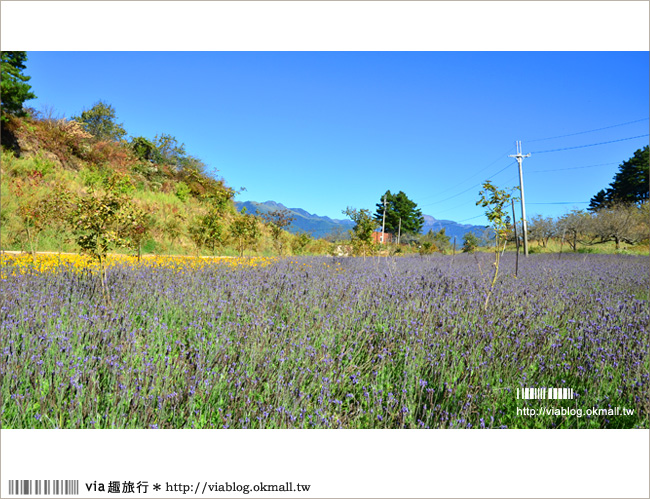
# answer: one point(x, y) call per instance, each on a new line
point(14, 86)
point(630, 184)
point(399, 206)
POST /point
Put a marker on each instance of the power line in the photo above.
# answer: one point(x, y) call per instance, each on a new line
point(572, 168)
point(590, 145)
point(511, 180)
point(473, 175)
point(565, 202)
point(469, 188)
point(589, 131)
point(467, 219)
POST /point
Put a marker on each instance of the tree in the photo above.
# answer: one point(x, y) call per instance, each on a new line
point(244, 231)
point(399, 206)
point(14, 87)
point(100, 122)
point(438, 241)
point(207, 231)
point(575, 226)
point(277, 221)
point(361, 233)
point(496, 203)
point(470, 242)
point(143, 148)
point(426, 248)
point(620, 223)
point(598, 201)
point(172, 225)
point(168, 150)
point(630, 184)
point(99, 221)
point(136, 227)
point(300, 242)
point(442, 240)
point(35, 209)
point(541, 229)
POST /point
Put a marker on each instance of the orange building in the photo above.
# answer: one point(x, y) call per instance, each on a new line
point(376, 237)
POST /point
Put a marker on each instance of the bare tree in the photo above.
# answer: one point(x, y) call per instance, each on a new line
point(541, 229)
point(619, 223)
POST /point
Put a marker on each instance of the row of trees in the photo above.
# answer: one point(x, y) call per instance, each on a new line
point(621, 223)
point(619, 213)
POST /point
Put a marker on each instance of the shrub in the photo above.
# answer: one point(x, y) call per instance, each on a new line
point(182, 191)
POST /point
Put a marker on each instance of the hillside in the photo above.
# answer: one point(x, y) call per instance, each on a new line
point(171, 203)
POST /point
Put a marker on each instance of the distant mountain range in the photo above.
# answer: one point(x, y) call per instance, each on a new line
point(452, 229)
point(320, 227)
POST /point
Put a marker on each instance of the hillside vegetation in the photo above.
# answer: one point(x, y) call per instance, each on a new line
point(64, 188)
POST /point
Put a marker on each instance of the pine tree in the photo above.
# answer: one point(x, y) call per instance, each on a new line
point(14, 86)
point(630, 184)
point(399, 206)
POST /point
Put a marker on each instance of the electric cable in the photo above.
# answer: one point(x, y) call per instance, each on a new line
point(587, 131)
point(589, 145)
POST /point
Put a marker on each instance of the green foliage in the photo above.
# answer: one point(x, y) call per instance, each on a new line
point(182, 191)
point(105, 220)
point(470, 242)
point(440, 241)
point(399, 206)
point(136, 226)
point(630, 184)
point(38, 207)
point(495, 201)
point(207, 231)
point(92, 177)
point(300, 242)
point(14, 87)
point(167, 149)
point(361, 234)
point(97, 222)
point(278, 221)
point(427, 248)
point(99, 121)
point(245, 231)
point(143, 148)
point(34, 166)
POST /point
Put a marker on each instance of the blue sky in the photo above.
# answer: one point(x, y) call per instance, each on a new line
point(327, 130)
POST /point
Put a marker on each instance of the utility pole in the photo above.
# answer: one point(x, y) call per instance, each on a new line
point(520, 157)
point(399, 230)
point(514, 224)
point(383, 222)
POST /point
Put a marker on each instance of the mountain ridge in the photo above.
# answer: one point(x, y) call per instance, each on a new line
point(322, 226)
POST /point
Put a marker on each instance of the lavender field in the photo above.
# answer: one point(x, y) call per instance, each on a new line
point(327, 343)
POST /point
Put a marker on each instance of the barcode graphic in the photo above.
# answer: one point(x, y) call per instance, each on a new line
point(545, 393)
point(43, 487)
